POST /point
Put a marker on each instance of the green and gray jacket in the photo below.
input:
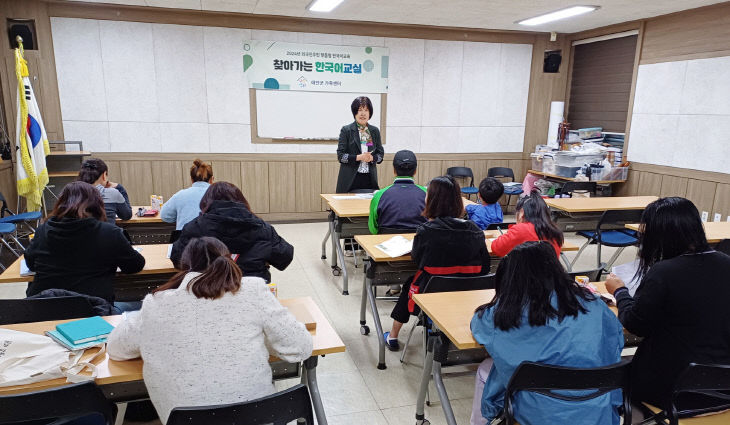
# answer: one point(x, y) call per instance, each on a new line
point(398, 206)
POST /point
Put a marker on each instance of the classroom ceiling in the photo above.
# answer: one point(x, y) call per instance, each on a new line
point(488, 14)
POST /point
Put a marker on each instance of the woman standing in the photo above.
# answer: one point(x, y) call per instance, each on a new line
point(359, 150)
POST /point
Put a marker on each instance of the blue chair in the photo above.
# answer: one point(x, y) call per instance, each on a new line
point(24, 219)
point(619, 238)
point(7, 230)
point(464, 173)
point(506, 173)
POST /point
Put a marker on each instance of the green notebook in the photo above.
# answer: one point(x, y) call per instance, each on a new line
point(85, 330)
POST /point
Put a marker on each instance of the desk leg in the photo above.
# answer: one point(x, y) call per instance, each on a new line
point(423, 389)
point(378, 326)
point(310, 375)
point(330, 219)
point(364, 329)
point(443, 397)
point(335, 240)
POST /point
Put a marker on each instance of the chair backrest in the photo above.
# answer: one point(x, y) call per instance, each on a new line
point(501, 172)
point(67, 401)
point(461, 172)
point(459, 283)
point(593, 275)
point(723, 246)
point(545, 379)
point(280, 408)
point(570, 187)
point(701, 379)
point(619, 217)
point(43, 309)
point(497, 226)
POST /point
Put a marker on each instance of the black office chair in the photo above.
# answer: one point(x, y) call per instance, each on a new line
point(570, 187)
point(505, 173)
point(44, 309)
point(708, 380)
point(446, 284)
point(464, 173)
point(66, 402)
point(545, 379)
point(619, 238)
point(723, 246)
point(593, 275)
point(280, 408)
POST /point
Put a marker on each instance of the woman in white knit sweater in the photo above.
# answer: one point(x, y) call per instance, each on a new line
point(205, 336)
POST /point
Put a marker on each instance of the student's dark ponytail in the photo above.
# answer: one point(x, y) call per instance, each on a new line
point(210, 257)
point(536, 211)
point(91, 170)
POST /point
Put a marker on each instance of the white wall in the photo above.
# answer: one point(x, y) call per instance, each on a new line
point(681, 115)
point(140, 87)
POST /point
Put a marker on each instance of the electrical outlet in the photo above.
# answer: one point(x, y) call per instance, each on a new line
point(705, 216)
point(718, 217)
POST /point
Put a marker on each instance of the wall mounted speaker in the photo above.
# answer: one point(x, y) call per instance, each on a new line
point(553, 59)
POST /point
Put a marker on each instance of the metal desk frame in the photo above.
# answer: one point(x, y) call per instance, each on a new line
point(341, 228)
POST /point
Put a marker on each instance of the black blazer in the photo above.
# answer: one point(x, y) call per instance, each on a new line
point(349, 148)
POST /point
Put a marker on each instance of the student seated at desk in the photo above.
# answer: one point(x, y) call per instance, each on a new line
point(490, 211)
point(400, 205)
point(540, 314)
point(116, 201)
point(445, 245)
point(226, 215)
point(185, 204)
point(77, 250)
point(204, 335)
point(533, 224)
point(680, 306)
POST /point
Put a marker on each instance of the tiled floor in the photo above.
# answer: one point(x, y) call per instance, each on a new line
point(354, 391)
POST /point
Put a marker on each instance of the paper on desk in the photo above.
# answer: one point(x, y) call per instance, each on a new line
point(626, 273)
point(355, 196)
point(24, 270)
point(397, 246)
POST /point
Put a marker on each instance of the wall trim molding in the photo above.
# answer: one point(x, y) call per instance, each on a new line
point(287, 157)
point(682, 172)
point(163, 15)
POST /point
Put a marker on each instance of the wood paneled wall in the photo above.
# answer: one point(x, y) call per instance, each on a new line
point(283, 188)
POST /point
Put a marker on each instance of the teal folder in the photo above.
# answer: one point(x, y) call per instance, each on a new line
point(85, 330)
point(56, 336)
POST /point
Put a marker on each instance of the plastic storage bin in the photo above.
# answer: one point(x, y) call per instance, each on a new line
point(616, 173)
point(536, 161)
point(575, 159)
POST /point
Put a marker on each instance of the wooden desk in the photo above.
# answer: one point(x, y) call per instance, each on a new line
point(155, 256)
point(600, 204)
point(570, 179)
point(111, 374)
point(715, 231)
point(347, 217)
point(140, 220)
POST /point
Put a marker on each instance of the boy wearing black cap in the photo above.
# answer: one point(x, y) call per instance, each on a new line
point(400, 205)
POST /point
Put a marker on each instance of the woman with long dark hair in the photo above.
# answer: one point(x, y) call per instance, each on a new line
point(533, 224)
point(540, 314)
point(95, 172)
point(681, 304)
point(359, 150)
point(444, 245)
point(77, 250)
point(225, 214)
point(204, 335)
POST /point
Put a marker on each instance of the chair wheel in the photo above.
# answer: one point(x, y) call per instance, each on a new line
point(324, 257)
point(428, 403)
point(423, 422)
point(364, 330)
point(336, 272)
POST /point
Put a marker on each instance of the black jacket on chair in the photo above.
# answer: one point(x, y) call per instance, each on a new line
point(254, 240)
point(80, 255)
point(348, 148)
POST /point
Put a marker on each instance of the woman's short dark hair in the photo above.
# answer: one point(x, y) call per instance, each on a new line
point(360, 102)
point(209, 256)
point(443, 199)
point(527, 278)
point(222, 191)
point(536, 211)
point(201, 171)
point(490, 190)
point(79, 200)
point(91, 170)
point(669, 227)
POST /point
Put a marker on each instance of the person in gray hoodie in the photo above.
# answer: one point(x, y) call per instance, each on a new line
point(116, 202)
